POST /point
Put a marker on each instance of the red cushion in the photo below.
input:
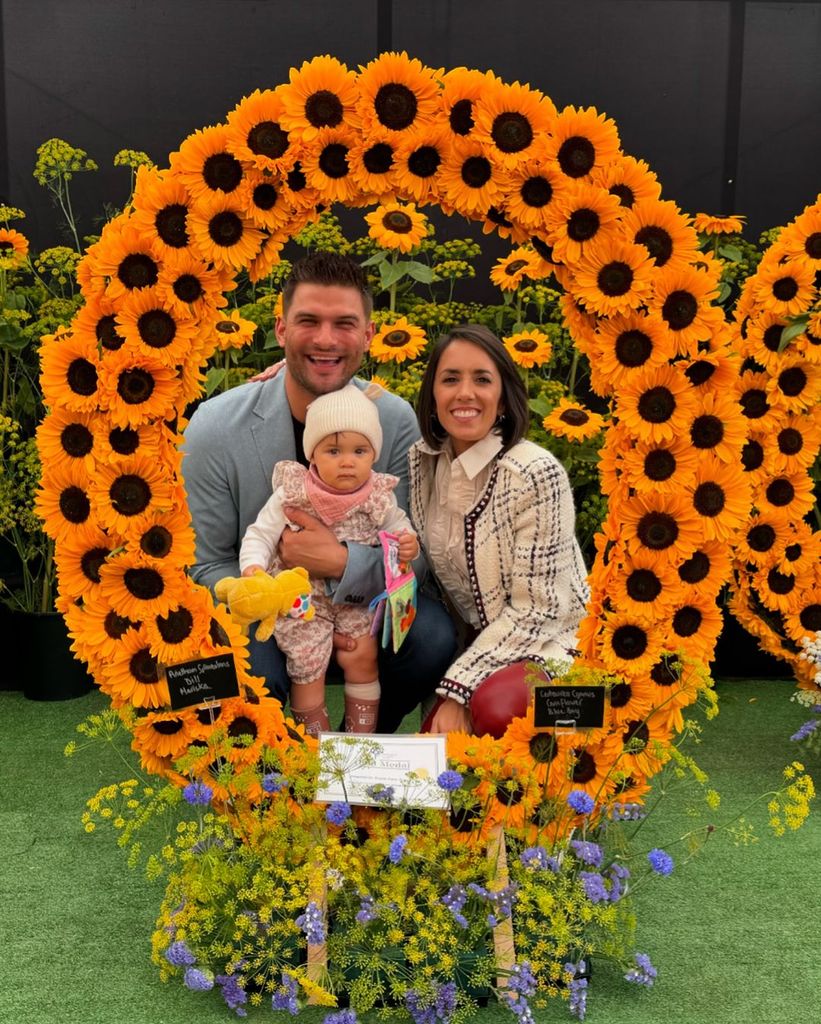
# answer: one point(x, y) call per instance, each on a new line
point(502, 696)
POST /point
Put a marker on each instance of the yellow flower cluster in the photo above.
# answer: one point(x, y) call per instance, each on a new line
point(57, 159)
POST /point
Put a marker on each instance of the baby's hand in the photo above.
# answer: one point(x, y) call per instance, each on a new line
point(408, 546)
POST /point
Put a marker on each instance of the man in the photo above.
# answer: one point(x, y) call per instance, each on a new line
point(234, 440)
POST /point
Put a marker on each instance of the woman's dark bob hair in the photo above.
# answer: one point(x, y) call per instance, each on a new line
point(515, 417)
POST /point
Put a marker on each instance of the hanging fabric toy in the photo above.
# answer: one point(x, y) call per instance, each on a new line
point(395, 608)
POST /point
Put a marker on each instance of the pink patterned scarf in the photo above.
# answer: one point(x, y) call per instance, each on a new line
point(330, 504)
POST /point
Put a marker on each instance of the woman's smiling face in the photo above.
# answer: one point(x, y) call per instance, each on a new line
point(467, 392)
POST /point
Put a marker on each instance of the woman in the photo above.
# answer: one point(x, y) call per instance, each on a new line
point(496, 519)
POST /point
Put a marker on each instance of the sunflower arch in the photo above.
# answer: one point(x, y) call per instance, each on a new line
point(638, 301)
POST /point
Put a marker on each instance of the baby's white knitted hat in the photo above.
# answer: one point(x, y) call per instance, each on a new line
point(346, 409)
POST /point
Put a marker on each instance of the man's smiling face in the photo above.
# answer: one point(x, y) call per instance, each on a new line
point(325, 334)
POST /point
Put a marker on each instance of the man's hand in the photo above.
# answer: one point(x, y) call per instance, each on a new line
point(408, 546)
point(451, 716)
point(313, 546)
point(269, 372)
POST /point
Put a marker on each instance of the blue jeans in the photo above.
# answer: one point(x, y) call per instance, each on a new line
point(407, 677)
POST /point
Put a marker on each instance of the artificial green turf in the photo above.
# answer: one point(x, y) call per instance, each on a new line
point(734, 933)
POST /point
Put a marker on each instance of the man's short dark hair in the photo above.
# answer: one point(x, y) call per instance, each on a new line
point(328, 268)
point(516, 418)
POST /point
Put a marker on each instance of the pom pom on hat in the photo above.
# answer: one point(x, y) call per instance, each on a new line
point(345, 409)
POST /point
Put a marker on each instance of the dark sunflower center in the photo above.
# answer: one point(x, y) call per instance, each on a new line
point(424, 162)
point(536, 192)
point(124, 440)
point(396, 339)
point(76, 440)
point(793, 552)
point(395, 106)
point(526, 345)
point(145, 584)
point(106, 331)
point(476, 171)
point(664, 672)
point(296, 178)
point(679, 310)
point(576, 156)
point(116, 626)
point(509, 793)
point(143, 667)
point(206, 715)
point(157, 328)
point(225, 228)
point(218, 635)
point(267, 139)
point(222, 172)
point(135, 386)
point(780, 582)
point(171, 225)
point(752, 456)
point(754, 403)
point(695, 569)
point(810, 618)
point(792, 381)
point(643, 585)
point(167, 727)
point(464, 819)
point(657, 405)
point(378, 159)
point(137, 270)
point(398, 222)
point(657, 242)
point(265, 197)
point(699, 373)
point(176, 626)
point(761, 537)
point(687, 621)
point(461, 117)
point(81, 377)
point(333, 160)
point(709, 498)
point(574, 417)
point(584, 769)
point(582, 224)
point(242, 726)
point(91, 561)
point(157, 541)
point(785, 288)
point(772, 337)
point(513, 268)
point(706, 431)
point(227, 327)
point(637, 735)
point(188, 288)
point(323, 109)
point(620, 694)
point(633, 348)
point(615, 278)
point(624, 194)
point(74, 505)
point(790, 441)
point(543, 747)
point(659, 464)
point(130, 494)
point(511, 132)
point(629, 642)
point(657, 530)
point(780, 492)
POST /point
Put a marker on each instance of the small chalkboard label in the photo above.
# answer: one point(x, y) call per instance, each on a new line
point(568, 707)
point(201, 681)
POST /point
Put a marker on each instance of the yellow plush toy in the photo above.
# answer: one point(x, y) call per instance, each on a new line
point(264, 598)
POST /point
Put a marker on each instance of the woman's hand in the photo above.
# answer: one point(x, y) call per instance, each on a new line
point(451, 716)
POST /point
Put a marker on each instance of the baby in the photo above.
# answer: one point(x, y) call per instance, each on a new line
point(342, 440)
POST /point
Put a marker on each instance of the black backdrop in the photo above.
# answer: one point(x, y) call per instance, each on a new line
point(721, 97)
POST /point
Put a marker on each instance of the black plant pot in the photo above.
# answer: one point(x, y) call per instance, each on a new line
point(49, 670)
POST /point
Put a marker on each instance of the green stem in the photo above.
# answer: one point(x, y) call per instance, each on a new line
point(65, 206)
point(226, 364)
point(571, 385)
point(392, 289)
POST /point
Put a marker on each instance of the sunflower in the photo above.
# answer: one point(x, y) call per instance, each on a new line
point(63, 502)
point(705, 571)
point(676, 680)
point(300, 196)
point(163, 536)
point(327, 168)
point(78, 560)
point(163, 734)
point(643, 587)
point(136, 590)
point(136, 388)
point(663, 231)
point(534, 185)
point(397, 342)
point(529, 348)
point(153, 327)
point(809, 343)
point(628, 179)
point(461, 88)
point(708, 225)
point(806, 618)
point(663, 523)
point(255, 134)
point(14, 248)
point(96, 322)
point(269, 254)
point(720, 496)
point(716, 371)
point(222, 232)
point(788, 495)
point(718, 427)
point(509, 271)
point(646, 743)
point(114, 443)
point(126, 257)
point(613, 276)
point(267, 202)
point(419, 158)
point(693, 625)
point(205, 165)
point(629, 700)
point(657, 404)
point(397, 226)
point(511, 120)
point(628, 644)
point(780, 589)
point(96, 629)
point(177, 634)
point(753, 398)
point(661, 466)
point(682, 298)
point(580, 323)
point(372, 160)
point(627, 343)
point(534, 752)
point(760, 541)
point(234, 331)
point(795, 385)
point(792, 445)
point(582, 141)
point(588, 766)
point(578, 216)
point(67, 435)
point(496, 220)
point(132, 674)
point(188, 287)
point(129, 493)
point(471, 183)
point(572, 420)
point(161, 208)
point(397, 93)
point(763, 339)
point(786, 289)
